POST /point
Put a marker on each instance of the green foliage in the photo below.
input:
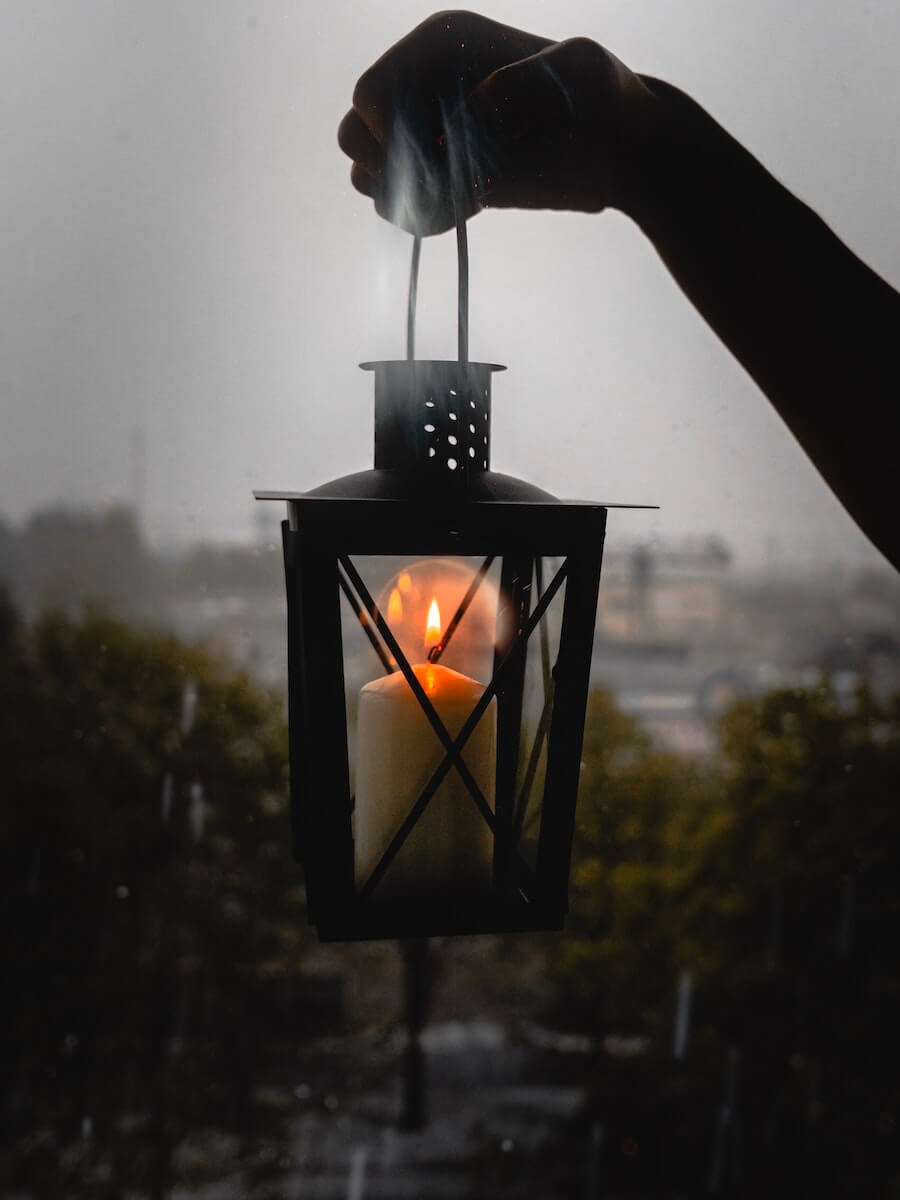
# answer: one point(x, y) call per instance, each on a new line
point(64, 558)
point(135, 940)
point(230, 570)
point(772, 877)
point(639, 809)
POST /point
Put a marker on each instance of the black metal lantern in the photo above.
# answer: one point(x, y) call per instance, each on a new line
point(440, 630)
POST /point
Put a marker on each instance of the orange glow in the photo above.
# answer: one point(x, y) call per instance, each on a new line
point(404, 583)
point(433, 625)
point(395, 607)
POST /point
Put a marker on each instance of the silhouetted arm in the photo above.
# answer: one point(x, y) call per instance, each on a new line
point(816, 328)
point(465, 113)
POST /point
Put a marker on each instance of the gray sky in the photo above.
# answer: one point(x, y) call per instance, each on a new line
point(181, 253)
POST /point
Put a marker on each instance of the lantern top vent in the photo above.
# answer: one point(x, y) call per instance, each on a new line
point(433, 417)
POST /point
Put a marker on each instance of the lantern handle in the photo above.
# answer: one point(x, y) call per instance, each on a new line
point(462, 307)
point(411, 303)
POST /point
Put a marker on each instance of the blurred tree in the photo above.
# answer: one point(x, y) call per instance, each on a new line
point(230, 570)
point(639, 809)
point(148, 888)
point(66, 558)
point(772, 878)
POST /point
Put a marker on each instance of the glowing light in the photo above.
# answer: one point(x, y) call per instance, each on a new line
point(433, 625)
point(404, 583)
point(395, 606)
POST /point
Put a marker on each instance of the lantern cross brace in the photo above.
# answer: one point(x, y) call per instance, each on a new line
point(543, 724)
point(418, 691)
point(453, 748)
point(389, 667)
point(434, 654)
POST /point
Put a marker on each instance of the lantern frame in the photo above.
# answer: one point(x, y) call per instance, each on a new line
point(320, 538)
point(411, 506)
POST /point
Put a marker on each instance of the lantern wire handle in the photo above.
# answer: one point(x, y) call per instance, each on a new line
point(411, 304)
point(462, 256)
point(462, 322)
point(438, 649)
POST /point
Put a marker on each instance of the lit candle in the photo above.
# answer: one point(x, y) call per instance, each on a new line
point(398, 751)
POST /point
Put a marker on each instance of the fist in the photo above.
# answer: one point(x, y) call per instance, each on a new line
point(465, 114)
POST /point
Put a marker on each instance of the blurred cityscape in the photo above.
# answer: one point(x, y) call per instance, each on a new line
point(653, 1050)
point(681, 631)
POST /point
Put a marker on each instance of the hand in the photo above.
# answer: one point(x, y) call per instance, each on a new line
point(465, 114)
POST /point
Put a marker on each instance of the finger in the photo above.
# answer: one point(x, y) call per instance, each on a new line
point(363, 181)
point(358, 143)
point(447, 50)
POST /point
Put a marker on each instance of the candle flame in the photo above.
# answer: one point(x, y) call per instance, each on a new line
point(433, 625)
point(404, 583)
point(395, 606)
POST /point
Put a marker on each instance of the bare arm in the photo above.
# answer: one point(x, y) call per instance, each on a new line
point(465, 114)
point(816, 328)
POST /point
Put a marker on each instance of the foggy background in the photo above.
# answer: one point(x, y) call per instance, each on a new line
point(188, 279)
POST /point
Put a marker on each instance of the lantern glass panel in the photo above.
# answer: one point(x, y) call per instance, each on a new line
point(443, 614)
point(423, 824)
point(537, 709)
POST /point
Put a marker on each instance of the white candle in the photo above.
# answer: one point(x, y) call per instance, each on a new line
point(398, 752)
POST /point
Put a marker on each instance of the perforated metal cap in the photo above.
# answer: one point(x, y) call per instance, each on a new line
point(433, 417)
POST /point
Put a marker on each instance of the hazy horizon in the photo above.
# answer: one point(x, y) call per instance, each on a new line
point(187, 269)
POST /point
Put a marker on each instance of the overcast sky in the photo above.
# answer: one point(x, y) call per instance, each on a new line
point(183, 261)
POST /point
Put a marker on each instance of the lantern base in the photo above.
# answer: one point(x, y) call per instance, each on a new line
point(413, 920)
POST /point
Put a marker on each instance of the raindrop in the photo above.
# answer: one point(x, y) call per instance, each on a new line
point(122, 891)
point(167, 797)
point(452, 464)
point(682, 1030)
point(197, 810)
point(188, 706)
point(357, 1181)
point(429, 428)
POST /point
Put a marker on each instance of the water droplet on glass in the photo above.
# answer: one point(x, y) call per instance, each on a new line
point(188, 706)
point(166, 798)
point(682, 1031)
point(197, 810)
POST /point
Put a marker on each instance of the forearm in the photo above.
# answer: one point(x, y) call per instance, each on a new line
point(815, 328)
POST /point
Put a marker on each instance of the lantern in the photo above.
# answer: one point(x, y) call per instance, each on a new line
point(440, 630)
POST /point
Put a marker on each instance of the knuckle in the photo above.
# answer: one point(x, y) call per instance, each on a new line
point(579, 50)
